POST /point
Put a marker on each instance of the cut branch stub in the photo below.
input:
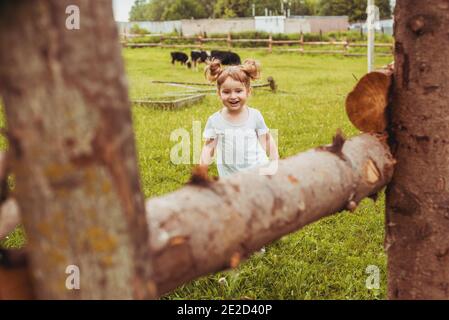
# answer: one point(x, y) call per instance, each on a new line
point(371, 172)
point(367, 102)
point(9, 217)
point(272, 83)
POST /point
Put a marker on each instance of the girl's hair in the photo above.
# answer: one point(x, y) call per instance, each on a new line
point(249, 70)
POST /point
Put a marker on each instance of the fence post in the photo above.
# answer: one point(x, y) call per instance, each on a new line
point(161, 41)
point(200, 41)
point(229, 40)
point(272, 83)
point(346, 45)
point(270, 43)
point(301, 43)
point(321, 35)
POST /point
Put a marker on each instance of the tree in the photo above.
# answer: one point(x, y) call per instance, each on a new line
point(84, 149)
point(383, 5)
point(271, 5)
point(139, 11)
point(335, 7)
point(304, 7)
point(232, 8)
point(354, 9)
point(208, 6)
point(184, 9)
point(297, 7)
point(158, 10)
point(384, 8)
point(155, 10)
point(417, 221)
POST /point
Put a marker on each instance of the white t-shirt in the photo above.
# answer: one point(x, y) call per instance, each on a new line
point(238, 147)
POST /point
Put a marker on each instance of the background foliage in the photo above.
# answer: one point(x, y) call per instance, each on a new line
point(158, 10)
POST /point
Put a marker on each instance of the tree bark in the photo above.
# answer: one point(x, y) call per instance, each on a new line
point(210, 226)
point(72, 149)
point(417, 222)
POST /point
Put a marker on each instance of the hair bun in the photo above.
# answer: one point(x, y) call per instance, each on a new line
point(213, 69)
point(251, 68)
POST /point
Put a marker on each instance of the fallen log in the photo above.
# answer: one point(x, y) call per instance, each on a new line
point(186, 83)
point(176, 103)
point(270, 83)
point(209, 226)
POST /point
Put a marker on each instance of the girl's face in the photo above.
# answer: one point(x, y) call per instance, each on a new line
point(233, 94)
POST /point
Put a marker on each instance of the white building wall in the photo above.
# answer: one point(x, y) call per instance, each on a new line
point(297, 25)
point(208, 26)
point(328, 24)
point(273, 24)
point(154, 26)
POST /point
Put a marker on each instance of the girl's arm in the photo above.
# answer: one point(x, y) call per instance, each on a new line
point(269, 145)
point(207, 153)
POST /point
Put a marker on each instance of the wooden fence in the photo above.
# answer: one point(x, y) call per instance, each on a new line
point(199, 42)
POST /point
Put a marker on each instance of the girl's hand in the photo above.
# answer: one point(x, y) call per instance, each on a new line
point(208, 151)
point(269, 145)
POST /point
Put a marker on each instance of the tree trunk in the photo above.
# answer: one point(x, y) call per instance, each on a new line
point(72, 149)
point(15, 279)
point(211, 226)
point(417, 224)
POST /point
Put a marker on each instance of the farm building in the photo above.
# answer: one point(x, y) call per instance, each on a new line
point(383, 26)
point(274, 24)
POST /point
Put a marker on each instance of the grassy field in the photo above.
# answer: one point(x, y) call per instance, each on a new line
point(326, 260)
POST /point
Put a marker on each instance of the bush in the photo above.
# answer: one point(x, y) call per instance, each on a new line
point(136, 29)
point(144, 39)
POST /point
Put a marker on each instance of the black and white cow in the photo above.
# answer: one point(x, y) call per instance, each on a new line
point(197, 56)
point(181, 57)
point(226, 57)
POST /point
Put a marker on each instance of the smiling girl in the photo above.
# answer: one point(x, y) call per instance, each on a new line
point(237, 132)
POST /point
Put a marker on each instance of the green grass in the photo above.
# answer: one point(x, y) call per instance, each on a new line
point(325, 260)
